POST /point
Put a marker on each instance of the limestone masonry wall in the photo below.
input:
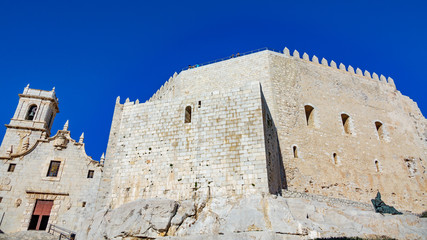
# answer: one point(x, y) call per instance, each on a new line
point(72, 192)
point(363, 134)
point(221, 151)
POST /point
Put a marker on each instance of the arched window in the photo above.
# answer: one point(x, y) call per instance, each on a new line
point(295, 151)
point(380, 129)
point(346, 123)
point(31, 112)
point(188, 114)
point(309, 115)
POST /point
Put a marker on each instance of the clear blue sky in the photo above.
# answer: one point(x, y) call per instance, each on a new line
point(94, 51)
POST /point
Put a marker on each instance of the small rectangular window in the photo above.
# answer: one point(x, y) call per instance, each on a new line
point(200, 104)
point(90, 174)
point(1, 199)
point(53, 169)
point(83, 204)
point(11, 167)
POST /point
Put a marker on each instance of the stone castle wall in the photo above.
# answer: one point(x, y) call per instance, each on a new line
point(157, 154)
point(330, 161)
point(366, 160)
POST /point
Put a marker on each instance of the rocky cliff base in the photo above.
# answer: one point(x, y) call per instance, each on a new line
point(250, 217)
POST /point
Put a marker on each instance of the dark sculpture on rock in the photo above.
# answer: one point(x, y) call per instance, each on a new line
point(381, 207)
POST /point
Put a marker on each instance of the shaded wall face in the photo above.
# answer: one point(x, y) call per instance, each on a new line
point(222, 149)
point(29, 182)
point(350, 159)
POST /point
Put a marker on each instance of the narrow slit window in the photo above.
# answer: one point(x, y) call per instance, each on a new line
point(380, 129)
point(346, 123)
point(53, 169)
point(188, 114)
point(90, 174)
point(31, 113)
point(335, 158)
point(309, 115)
point(11, 167)
point(50, 120)
point(377, 167)
point(295, 151)
point(200, 104)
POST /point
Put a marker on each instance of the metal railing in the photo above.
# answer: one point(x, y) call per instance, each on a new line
point(63, 233)
point(232, 56)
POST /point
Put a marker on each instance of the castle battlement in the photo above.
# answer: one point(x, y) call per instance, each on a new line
point(320, 120)
point(387, 83)
point(333, 65)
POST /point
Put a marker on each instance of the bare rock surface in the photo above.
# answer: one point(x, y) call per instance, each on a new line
point(251, 217)
point(141, 218)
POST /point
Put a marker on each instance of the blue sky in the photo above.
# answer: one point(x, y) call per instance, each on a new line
point(94, 51)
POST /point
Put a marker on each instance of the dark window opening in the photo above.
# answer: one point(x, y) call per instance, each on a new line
point(33, 222)
point(53, 169)
point(11, 167)
point(31, 112)
point(1, 199)
point(346, 123)
point(309, 115)
point(90, 174)
point(50, 120)
point(335, 158)
point(43, 222)
point(380, 129)
point(295, 150)
point(200, 104)
point(377, 166)
point(188, 114)
point(83, 204)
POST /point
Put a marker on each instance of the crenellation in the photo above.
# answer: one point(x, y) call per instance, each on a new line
point(367, 74)
point(314, 59)
point(305, 57)
point(375, 76)
point(324, 62)
point(295, 54)
point(286, 52)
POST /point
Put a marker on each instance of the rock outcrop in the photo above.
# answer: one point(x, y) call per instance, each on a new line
point(254, 217)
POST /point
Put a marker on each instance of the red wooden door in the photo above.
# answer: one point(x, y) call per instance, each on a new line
point(40, 215)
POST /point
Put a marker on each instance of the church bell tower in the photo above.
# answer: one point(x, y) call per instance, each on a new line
point(32, 120)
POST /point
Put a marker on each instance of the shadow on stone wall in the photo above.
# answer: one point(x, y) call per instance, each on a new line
point(275, 169)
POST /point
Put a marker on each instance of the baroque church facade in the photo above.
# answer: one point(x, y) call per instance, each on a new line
point(262, 123)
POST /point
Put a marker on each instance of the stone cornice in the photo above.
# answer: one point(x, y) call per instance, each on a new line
point(47, 193)
point(25, 128)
